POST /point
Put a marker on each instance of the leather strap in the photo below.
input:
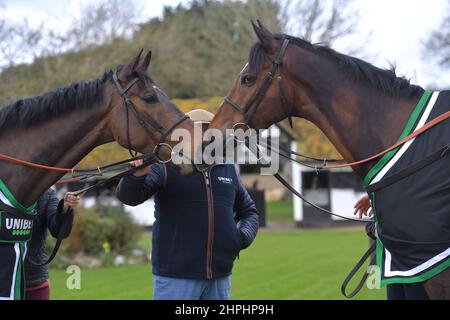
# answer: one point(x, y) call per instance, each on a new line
point(62, 230)
point(355, 269)
point(247, 112)
point(301, 196)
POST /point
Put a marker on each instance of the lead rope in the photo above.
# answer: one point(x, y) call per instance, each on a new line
point(367, 254)
point(62, 230)
point(303, 198)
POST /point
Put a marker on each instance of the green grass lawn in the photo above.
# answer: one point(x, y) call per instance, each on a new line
point(279, 212)
point(279, 265)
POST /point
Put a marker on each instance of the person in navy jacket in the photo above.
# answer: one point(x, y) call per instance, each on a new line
point(202, 223)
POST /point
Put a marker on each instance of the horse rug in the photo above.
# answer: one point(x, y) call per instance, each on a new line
point(16, 224)
point(413, 212)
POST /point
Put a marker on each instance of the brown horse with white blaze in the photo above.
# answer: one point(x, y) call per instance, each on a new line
point(360, 108)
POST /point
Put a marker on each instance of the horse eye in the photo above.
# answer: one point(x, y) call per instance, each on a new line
point(247, 80)
point(152, 98)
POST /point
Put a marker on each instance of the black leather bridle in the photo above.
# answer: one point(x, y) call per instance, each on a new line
point(250, 108)
point(144, 122)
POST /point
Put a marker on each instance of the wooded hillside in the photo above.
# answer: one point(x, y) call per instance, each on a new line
point(197, 51)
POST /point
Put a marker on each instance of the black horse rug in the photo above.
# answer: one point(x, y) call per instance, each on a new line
point(410, 193)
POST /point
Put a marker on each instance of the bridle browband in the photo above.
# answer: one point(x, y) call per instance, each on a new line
point(143, 121)
point(250, 108)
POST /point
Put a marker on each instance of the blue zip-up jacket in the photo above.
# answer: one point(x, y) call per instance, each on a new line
point(202, 222)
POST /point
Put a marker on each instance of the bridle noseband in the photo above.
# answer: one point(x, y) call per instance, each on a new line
point(143, 121)
point(250, 108)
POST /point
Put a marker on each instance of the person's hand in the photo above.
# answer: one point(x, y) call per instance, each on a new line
point(71, 200)
point(140, 172)
point(363, 207)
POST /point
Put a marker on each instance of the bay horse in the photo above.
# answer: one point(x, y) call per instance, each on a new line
point(57, 129)
point(362, 109)
point(61, 127)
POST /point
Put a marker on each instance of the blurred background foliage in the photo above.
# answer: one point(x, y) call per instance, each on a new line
point(93, 227)
point(198, 49)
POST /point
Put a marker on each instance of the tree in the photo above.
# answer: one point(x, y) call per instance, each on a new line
point(200, 48)
point(323, 21)
point(89, 46)
point(438, 45)
point(100, 23)
point(4, 32)
point(16, 41)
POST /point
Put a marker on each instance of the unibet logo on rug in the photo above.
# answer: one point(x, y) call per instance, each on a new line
point(19, 227)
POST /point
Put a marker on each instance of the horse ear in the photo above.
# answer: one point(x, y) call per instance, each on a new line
point(132, 65)
point(265, 36)
point(147, 60)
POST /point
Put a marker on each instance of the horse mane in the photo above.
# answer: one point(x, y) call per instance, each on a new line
point(33, 110)
point(383, 80)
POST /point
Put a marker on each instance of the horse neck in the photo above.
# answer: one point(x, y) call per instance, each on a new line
point(60, 142)
point(358, 120)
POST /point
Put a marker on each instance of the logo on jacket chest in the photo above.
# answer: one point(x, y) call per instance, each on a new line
point(225, 180)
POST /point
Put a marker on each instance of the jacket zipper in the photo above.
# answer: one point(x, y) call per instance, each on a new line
point(209, 249)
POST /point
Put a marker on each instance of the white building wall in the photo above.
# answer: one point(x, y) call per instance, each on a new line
point(143, 214)
point(342, 202)
point(297, 184)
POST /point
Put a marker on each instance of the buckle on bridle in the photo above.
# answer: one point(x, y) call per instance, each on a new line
point(157, 149)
